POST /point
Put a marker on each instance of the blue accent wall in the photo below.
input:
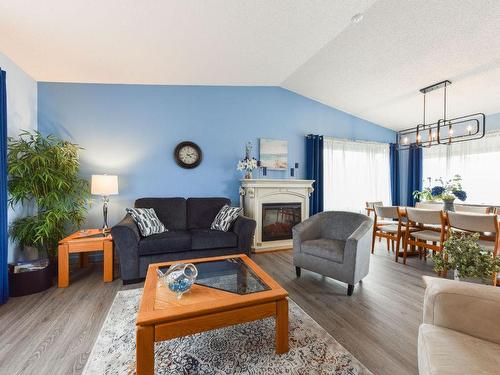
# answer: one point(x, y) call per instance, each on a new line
point(132, 130)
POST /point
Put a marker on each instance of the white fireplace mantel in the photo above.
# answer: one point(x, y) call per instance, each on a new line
point(256, 192)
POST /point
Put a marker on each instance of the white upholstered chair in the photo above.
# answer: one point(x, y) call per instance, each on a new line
point(431, 235)
point(387, 224)
point(472, 209)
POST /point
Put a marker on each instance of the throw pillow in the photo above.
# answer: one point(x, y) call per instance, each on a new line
point(147, 221)
point(225, 218)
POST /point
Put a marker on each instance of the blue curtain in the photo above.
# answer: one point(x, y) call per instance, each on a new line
point(4, 275)
point(394, 166)
point(314, 171)
point(414, 173)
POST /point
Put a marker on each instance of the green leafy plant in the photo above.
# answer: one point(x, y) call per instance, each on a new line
point(43, 172)
point(462, 253)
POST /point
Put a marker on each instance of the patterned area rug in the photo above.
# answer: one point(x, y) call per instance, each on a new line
point(242, 349)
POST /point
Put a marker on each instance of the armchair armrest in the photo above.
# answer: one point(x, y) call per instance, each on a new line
point(309, 229)
point(469, 308)
point(244, 227)
point(357, 250)
point(126, 238)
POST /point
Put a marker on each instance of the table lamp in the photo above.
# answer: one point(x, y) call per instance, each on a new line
point(104, 185)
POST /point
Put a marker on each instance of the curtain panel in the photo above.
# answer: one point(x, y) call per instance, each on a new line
point(314, 171)
point(355, 172)
point(394, 165)
point(476, 162)
point(415, 174)
point(4, 276)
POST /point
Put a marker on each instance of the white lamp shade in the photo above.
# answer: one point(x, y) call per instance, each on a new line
point(103, 184)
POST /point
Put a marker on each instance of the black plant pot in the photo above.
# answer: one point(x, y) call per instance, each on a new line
point(24, 283)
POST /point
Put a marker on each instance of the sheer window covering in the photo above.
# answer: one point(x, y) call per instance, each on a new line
point(478, 163)
point(355, 172)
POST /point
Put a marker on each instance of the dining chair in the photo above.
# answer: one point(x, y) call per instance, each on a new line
point(431, 234)
point(486, 225)
point(429, 206)
point(392, 230)
point(369, 206)
point(472, 209)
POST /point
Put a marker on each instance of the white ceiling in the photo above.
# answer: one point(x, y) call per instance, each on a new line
point(372, 69)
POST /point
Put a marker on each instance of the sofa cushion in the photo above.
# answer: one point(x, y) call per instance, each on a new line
point(202, 211)
point(166, 242)
point(170, 211)
point(212, 239)
point(225, 218)
point(444, 351)
point(324, 248)
point(147, 221)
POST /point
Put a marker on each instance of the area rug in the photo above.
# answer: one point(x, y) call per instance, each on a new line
point(242, 349)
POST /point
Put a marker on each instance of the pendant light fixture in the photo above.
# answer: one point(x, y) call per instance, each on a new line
point(445, 131)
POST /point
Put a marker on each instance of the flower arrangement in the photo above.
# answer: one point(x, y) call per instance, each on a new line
point(466, 258)
point(249, 163)
point(445, 190)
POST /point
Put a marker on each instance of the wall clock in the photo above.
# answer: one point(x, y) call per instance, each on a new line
point(188, 154)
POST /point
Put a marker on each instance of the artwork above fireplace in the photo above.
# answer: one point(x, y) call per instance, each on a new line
point(278, 219)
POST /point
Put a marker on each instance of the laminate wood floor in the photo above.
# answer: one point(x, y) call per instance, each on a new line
point(53, 332)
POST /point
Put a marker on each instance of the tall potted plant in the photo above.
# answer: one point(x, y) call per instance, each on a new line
point(43, 172)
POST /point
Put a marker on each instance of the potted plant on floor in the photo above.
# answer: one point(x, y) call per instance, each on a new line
point(43, 175)
point(466, 258)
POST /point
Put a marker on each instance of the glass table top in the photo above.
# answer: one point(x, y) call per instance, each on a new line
point(231, 275)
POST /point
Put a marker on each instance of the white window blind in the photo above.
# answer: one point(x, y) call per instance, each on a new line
point(478, 162)
point(355, 172)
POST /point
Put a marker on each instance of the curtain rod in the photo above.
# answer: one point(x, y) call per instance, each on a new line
point(357, 140)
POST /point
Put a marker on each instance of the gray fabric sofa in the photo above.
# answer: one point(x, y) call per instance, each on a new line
point(460, 333)
point(189, 235)
point(334, 244)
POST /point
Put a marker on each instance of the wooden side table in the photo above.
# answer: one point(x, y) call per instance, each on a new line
point(83, 243)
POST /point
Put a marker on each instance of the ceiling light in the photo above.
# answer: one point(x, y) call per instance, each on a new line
point(459, 129)
point(357, 18)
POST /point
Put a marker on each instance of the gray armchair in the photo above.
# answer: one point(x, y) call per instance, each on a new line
point(334, 244)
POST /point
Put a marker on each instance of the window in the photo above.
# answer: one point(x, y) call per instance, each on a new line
point(355, 172)
point(476, 161)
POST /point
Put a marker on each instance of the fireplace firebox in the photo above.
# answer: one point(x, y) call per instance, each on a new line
point(278, 219)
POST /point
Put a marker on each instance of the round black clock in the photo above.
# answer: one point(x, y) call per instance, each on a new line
point(188, 154)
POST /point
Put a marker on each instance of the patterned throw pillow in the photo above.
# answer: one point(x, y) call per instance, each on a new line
point(225, 218)
point(147, 221)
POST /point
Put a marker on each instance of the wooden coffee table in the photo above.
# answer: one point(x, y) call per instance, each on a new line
point(229, 290)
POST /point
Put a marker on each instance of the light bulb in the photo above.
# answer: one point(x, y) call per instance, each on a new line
point(419, 137)
point(469, 129)
point(405, 140)
point(434, 136)
point(450, 131)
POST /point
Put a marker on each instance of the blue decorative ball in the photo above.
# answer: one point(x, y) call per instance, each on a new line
point(460, 194)
point(437, 191)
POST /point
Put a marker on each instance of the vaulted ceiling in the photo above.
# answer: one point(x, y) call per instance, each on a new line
point(372, 69)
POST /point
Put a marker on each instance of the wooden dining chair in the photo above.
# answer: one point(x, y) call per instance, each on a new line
point(486, 225)
point(388, 224)
point(369, 206)
point(437, 206)
point(431, 232)
point(472, 209)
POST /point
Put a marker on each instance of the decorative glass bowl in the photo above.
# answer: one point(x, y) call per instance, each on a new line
point(179, 278)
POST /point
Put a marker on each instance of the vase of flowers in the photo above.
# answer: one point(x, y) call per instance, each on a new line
point(249, 163)
point(446, 191)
